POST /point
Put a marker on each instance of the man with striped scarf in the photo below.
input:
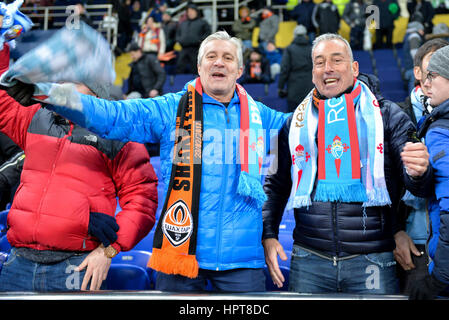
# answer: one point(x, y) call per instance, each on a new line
point(344, 154)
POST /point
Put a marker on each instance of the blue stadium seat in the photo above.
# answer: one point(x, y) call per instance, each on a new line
point(4, 244)
point(146, 244)
point(275, 103)
point(286, 239)
point(135, 257)
point(270, 286)
point(127, 277)
point(256, 90)
point(3, 217)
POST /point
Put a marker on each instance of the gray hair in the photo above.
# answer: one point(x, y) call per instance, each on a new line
point(330, 37)
point(222, 35)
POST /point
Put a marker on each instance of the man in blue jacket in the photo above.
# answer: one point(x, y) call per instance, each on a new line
point(344, 159)
point(213, 139)
point(436, 131)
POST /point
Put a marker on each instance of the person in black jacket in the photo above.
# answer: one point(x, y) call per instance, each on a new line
point(147, 77)
point(296, 69)
point(11, 157)
point(344, 211)
point(189, 35)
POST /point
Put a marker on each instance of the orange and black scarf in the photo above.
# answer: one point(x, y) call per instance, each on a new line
point(174, 244)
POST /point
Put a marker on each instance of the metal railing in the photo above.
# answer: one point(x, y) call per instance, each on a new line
point(47, 17)
point(215, 5)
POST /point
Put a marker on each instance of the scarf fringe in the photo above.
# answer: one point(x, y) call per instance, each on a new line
point(413, 201)
point(250, 186)
point(299, 202)
point(377, 197)
point(173, 263)
point(344, 192)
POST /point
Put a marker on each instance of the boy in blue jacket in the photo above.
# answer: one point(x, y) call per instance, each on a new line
point(436, 131)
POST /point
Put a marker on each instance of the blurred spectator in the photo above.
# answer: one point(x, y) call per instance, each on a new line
point(302, 13)
point(169, 26)
point(125, 30)
point(424, 10)
point(147, 77)
point(389, 11)
point(80, 11)
point(341, 5)
point(136, 14)
point(354, 15)
point(325, 17)
point(152, 37)
point(440, 6)
point(441, 30)
point(296, 69)
point(274, 56)
point(413, 39)
point(268, 27)
point(189, 35)
point(257, 69)
point(243, 27)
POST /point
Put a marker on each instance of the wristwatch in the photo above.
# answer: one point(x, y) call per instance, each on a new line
point(110, 252)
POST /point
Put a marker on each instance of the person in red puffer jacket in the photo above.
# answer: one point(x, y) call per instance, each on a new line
point(62, 224)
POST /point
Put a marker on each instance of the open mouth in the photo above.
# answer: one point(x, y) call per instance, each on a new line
point(218, 75)
point(330, 81)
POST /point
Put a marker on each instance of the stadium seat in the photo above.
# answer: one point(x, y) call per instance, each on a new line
point(127, 277)
point(135, 257)
point(146, 244)
point(270, 286)
point(4, 244)
point(3, 217)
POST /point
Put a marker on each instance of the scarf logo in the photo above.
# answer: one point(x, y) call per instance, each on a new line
point(258, 147)
point(299, 159)
point(337, 148)
point(177, 224)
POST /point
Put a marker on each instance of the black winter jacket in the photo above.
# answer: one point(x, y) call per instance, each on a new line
point(296, 69)
point(146, 75)
point(340, 229)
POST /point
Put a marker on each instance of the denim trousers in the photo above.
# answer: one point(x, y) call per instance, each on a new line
point(235, 280)
point(373, 273)
point(20, 274)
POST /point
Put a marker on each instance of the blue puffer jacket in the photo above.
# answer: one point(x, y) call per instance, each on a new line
point(437, 141)
point(230, 226)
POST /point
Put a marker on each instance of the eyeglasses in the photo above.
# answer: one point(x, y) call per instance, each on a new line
point(431, 75)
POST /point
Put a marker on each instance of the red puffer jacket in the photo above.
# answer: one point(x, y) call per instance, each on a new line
point(69, 172)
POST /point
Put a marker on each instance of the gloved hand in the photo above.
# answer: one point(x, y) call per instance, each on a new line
point(103, 227)
point(282, 93)
point(426, 288)
point(22, 93)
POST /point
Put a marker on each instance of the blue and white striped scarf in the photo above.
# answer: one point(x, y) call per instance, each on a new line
point(80, 55)
point(304, 152)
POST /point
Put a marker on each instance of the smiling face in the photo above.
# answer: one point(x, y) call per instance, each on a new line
point(333, 69)
point(219, 69)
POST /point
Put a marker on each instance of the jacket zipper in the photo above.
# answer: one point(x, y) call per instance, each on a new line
point(334, 227)
point(61, 143)
point(222, 191)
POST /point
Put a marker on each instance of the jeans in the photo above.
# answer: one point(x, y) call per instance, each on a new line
point(236, 280)
point(373, 273)
point(20, 274)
